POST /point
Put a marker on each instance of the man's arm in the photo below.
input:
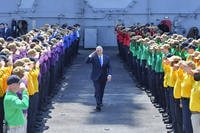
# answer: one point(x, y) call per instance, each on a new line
point(24, 103)
point(89, 58)
point(109, 71)
point(21, 104)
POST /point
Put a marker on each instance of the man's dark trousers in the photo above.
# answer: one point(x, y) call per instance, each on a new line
point(99, 89)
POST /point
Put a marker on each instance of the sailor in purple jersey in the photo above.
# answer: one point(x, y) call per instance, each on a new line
point(51, 58)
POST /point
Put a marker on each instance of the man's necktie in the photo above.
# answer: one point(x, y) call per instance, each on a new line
point(100, 60)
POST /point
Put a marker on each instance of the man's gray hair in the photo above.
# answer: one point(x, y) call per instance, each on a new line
point(99, 47)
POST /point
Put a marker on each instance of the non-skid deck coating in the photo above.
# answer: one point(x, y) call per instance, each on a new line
point(126, 109)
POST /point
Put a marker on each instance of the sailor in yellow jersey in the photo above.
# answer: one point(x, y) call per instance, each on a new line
point(171, 83)
point(195, 102)
point(186, 87)
point(177, 95)
point(5, 72)
point(2, 93)
point(166, 68)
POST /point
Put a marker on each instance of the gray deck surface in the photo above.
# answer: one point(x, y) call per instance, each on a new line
point(126, 109)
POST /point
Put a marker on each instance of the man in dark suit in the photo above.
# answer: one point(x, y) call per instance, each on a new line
point(1, 29)
point(7, 31)
point(101, 73)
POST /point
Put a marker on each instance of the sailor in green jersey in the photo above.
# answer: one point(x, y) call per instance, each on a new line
point(190, 50)
point(134, 57)
point(184, 54)
point(141, 51)
point(138, 62)
point(133, 47)
point(157, 39)
point(198, 48)
point(158, 63)
point(137, 48)
point(177, 52)
point(149, 58)
point(13, 106)
point(158, 78)
point(144, 56)
point(153, 59)
point(154, 76)
point(175, 48)
point(149, 64)
point(153, 64)
point(197, 44)
point(164, 38)
point(149, 86)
